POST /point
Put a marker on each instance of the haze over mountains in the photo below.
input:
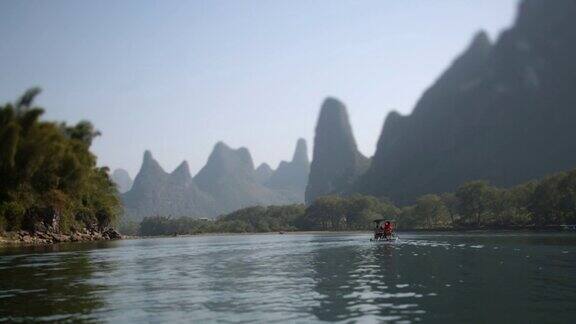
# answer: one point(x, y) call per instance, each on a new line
point(504, 111)
point(122, 180)
point(291, 177)
point(227, 182)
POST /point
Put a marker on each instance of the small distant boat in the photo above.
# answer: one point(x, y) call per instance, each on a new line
point(384, 231)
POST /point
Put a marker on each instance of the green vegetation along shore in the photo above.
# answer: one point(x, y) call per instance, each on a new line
point(474, 205)
point(52, 191)
point(50, 184)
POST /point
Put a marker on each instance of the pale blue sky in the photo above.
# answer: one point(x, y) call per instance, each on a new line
point(175, 77)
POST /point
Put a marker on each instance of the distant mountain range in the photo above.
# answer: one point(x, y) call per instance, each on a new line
point(227, 182)
point(504, 111)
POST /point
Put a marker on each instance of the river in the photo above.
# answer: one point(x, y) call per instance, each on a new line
point(430, 278)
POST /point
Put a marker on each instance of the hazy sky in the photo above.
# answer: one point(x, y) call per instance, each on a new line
point(175, 77)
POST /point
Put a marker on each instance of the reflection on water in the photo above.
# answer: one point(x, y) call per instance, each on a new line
point(360, 285)
point(49, 287)
point(328, 277)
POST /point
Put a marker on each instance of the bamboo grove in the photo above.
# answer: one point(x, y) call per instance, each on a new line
point(47, 172)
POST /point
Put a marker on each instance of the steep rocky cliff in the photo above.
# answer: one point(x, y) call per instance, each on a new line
point(336, 161)
point(503, 112)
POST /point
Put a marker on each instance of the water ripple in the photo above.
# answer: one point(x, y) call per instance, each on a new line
point(293, 278)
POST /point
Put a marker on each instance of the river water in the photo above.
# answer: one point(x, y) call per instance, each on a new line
point(430, 278)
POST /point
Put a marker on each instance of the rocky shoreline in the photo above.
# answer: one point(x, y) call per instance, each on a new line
point(23, 237)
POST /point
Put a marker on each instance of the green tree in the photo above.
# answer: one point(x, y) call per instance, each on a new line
point(474, 201)
point(47, 169)
point(431, 209)
point(511, 207)
point(328, 212)
point(360, 211)
point(451, 202)
point(407, 218)
point(545, 202)
point(567, 203)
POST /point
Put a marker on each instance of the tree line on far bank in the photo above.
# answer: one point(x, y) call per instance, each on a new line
point(474, 205)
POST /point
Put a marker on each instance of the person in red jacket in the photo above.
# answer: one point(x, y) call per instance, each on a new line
point(388, 230)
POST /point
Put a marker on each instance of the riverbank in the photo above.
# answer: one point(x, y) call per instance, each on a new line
point(45, 238)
